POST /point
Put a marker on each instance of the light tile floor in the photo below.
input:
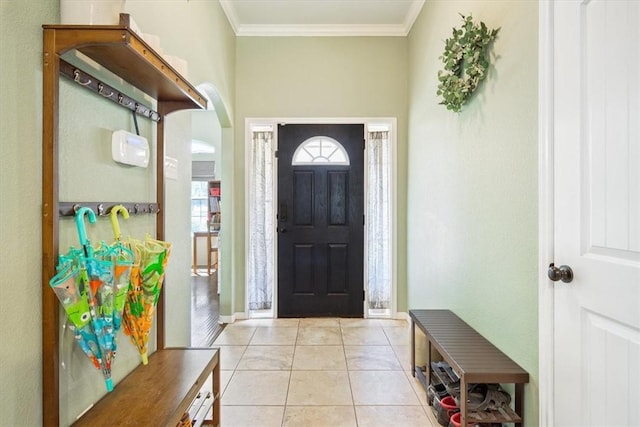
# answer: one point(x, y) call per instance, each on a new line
point(319, 372)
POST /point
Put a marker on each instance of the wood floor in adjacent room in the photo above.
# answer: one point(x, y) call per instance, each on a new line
point(205, 308)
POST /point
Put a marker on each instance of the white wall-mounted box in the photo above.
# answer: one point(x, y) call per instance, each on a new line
point(129, 148)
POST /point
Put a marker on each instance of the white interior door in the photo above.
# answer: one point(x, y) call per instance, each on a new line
point(596, 133)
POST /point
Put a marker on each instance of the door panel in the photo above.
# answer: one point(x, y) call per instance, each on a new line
point(338, 269)
point(303, 198)
point(597, 204)
point(338, 193)
point(303, 273)
point(320, 226)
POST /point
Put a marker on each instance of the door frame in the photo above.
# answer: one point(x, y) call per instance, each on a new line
point(370, 123)
point(545, 213)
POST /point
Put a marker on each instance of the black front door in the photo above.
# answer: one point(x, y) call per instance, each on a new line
point(320, 220)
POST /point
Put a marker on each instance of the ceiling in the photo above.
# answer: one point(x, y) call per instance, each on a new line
point(322, 17)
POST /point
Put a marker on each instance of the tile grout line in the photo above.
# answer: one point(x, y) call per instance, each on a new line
point(297, 343)
point(286, 396)
point(353, 400)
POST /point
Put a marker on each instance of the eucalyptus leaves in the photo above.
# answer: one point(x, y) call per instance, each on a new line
point(465, 62)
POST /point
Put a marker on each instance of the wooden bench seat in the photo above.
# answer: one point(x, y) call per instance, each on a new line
point(474, 359)
point(159, 394)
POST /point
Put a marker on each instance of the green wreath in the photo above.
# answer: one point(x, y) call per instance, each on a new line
point(465, 62)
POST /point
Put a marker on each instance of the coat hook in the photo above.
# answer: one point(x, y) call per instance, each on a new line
point(136, 208)
point(122, 101)
point(76, 78)
point(100, 209)
point(102, 92)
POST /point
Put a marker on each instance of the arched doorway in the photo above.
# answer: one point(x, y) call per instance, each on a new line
point(207, 284)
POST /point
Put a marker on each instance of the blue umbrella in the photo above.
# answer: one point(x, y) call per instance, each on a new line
point(85, 287)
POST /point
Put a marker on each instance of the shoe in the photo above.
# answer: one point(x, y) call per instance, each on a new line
point(447, 376)
point(487, 397)
point(435, 390)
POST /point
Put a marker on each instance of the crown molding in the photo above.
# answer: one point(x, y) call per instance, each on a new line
point(231, 14)
point(321, 30)
point(277, 30)
point(412, 14)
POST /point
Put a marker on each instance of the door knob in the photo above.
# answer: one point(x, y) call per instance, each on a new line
point(564, 273)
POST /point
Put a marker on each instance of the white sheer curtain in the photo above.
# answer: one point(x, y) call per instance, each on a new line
point(378, 224)
point(261, 223)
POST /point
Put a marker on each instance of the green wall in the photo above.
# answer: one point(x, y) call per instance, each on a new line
point(21, 207)
point(472, 193)
point(289, 77)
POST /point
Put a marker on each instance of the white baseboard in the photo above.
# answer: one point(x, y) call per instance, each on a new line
point(226, 319)
point(235, 316)
point(241, 315)
point(403, 315)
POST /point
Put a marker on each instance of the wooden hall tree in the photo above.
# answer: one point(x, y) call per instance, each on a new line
point(118, 49)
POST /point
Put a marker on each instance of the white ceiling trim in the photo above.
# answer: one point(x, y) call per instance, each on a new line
point(412, 15)
point(287, 30)
point(231, 14)
point(320, 30)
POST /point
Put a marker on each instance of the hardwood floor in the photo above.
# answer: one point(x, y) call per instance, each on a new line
point(205, 309)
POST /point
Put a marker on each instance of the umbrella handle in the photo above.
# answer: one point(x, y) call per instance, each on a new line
point(114, 219)
point(82, 231)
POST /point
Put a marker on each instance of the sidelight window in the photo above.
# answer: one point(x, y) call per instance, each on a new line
point(379, 227)
point(261, 210)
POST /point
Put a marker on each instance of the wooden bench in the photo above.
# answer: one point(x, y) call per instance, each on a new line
point(474, 359)
point(160, 393)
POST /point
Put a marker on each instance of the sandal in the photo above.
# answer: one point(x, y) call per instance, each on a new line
point(447, 376)
point(453, 389)
point(487, 397)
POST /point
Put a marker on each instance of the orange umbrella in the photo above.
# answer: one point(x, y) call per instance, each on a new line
point(147, 277)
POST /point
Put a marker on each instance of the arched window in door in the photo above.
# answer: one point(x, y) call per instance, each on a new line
point(320, 150)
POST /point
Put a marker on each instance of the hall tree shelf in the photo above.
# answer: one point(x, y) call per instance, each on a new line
point(118, 49)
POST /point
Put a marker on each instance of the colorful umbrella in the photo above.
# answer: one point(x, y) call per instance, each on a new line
point(84, 286)
point(147, 276)
point(123, 259)
point(72, 294)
